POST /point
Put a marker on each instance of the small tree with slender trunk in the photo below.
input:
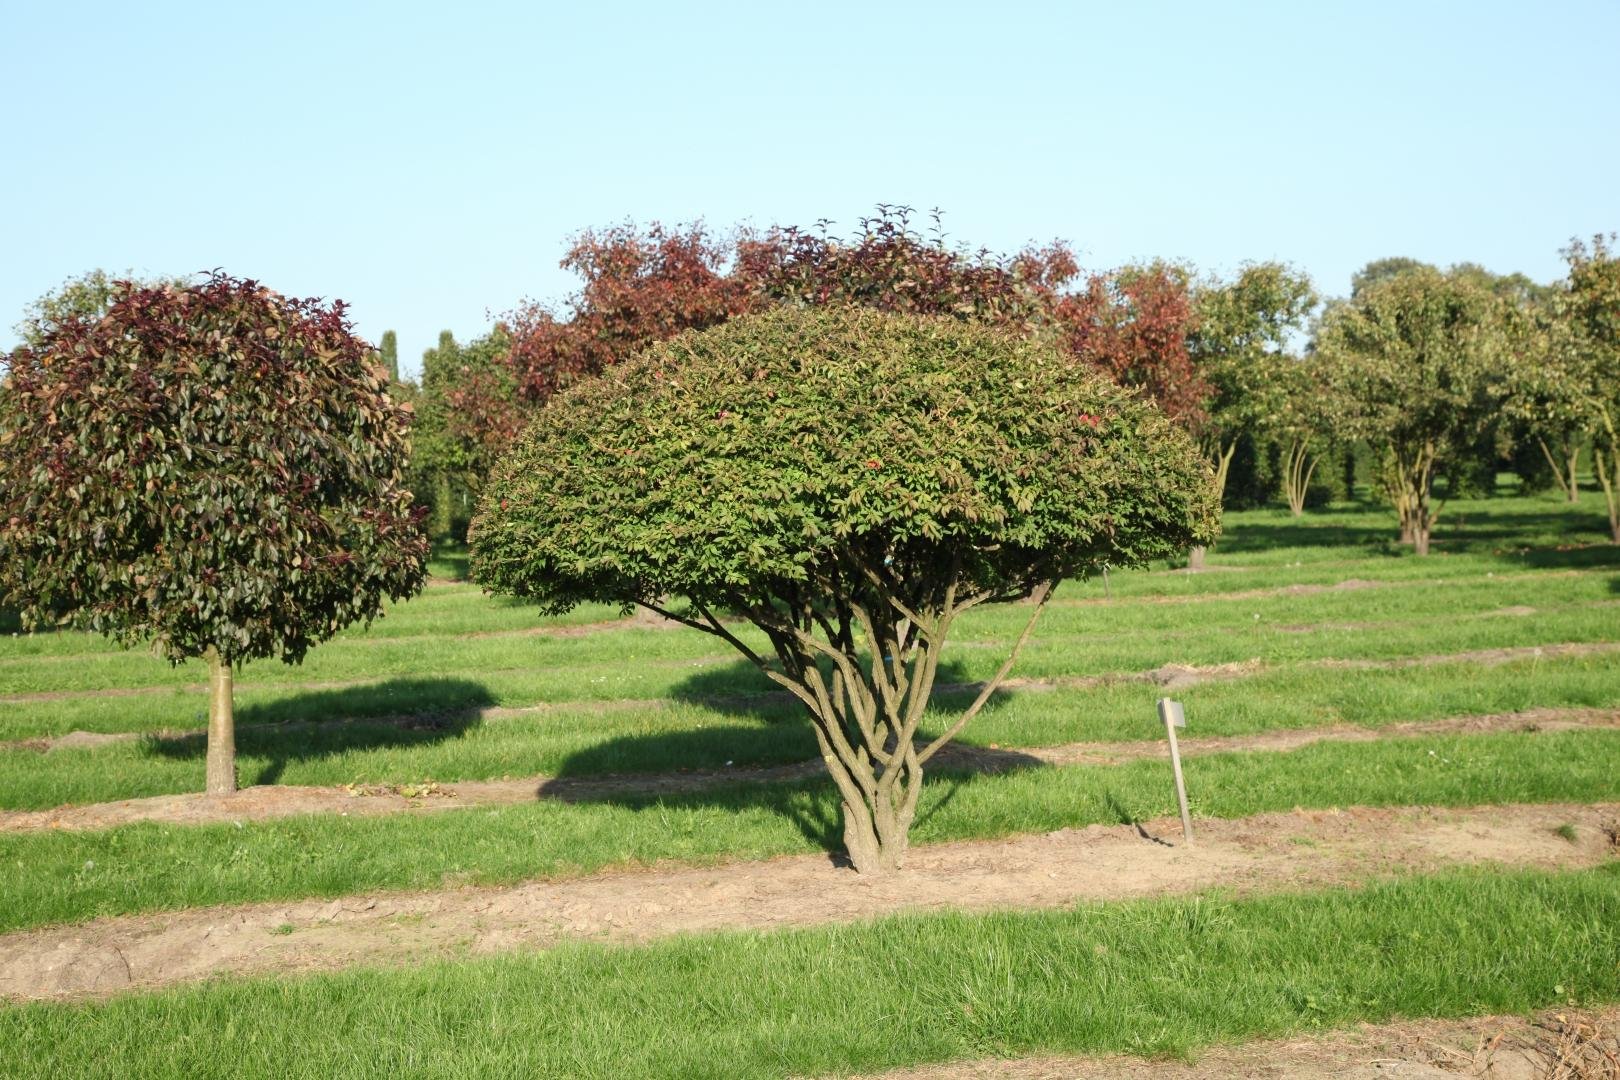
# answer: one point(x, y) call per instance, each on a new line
point(1239, 344)
point(1416, 358)
point(849, 482)
point(215, 469)
point(1547, 394)
point(1590, 379)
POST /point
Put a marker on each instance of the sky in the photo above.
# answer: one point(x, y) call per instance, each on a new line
point(428, 163)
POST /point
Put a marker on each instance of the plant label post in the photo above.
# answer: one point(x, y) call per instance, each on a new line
point(1175, 716)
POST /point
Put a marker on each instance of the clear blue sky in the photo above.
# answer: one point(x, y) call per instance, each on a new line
point(428, 162)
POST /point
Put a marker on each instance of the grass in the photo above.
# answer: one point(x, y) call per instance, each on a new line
point(653, 737)
point(54, 877)
point(1160, 977)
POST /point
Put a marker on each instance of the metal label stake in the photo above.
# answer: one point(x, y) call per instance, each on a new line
point(1175, 716)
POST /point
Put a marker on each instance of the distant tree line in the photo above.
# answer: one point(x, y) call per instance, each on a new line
point(1424, 383)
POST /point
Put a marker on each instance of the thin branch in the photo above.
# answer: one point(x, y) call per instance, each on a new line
point(1043, 593)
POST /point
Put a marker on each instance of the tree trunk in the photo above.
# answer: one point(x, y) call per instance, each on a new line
point(1223, 468)
point(1420, 540)
point(442, 495)
point(876, 843)
point(1606, 464)
point(1564, 474)
point(221, 726)
point(1297, 476)
point(1195, 557)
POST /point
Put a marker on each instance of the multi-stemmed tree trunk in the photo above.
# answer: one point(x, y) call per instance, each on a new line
point(1412, 478)
point(1564, 465)
point(1300, 465)
point(1408, 480)
point(867, 705)
point(1606, 462)
point(221, 777)
point(1220, 459)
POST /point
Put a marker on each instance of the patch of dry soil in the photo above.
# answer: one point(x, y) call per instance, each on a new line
point(286, 800)
point(1569, 1044)
point(1263, 853)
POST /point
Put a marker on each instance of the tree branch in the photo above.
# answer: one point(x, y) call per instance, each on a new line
point(1043, 593)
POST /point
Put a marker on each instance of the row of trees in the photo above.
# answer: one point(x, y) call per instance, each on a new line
point(1189, 344)
point(218, 470)
point(1422, 373)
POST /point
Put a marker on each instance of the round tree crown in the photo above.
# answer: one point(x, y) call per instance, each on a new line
point(205, 466)
point(778, 455)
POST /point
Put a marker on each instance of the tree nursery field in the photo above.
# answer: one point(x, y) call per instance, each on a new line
point(605, 844)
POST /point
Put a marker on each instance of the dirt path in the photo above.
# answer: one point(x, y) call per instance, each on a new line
point(1263, 853)
point(1568, 1044)
point(285, 800)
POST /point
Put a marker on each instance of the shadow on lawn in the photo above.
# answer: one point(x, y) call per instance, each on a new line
point(398, 712)
point(1565, 538)
point(771, 764)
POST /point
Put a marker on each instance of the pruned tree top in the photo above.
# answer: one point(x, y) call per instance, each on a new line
point(780, 454)
point(212, 465)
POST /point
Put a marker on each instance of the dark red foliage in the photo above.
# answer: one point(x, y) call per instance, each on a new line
point(221, 468)
point(647, 286)
point(1134, 324)
point(893, 268)
point(639, 288)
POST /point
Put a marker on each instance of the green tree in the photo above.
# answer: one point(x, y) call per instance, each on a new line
point(86, 296)
point(468, 413)
point(215, 469)
point(1303, 418)
point(1243, 329)
point(1548, 392)
point(1381, 270)
point(1588, 383)
point(388, 354)
point(849, 482)
point(1415, 358)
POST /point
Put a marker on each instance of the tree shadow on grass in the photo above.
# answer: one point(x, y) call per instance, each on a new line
point(325, 723)
point(742, 689)
point(1562, 538)
point(767, 761)
point(1304, 532)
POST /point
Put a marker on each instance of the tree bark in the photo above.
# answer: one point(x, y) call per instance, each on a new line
point(221, 726)
point(1565, 474)
point(865, 681)
point(1297, 479)
point(1606, 464)
point(1223, 468)
point(1195, 557)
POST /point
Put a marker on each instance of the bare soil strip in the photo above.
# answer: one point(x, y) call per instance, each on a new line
point(1560, 1044)
point(285, 800)
point(1169, 676)
point(1268, 852)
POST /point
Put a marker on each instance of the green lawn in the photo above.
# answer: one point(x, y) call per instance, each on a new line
point(455, 685)
point(65, 876)
point(586, 741)
point(1149, 978)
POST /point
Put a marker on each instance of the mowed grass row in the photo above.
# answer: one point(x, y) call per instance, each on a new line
point(449, 627)
point(1145, 977)
point(1369, 624)
point(50, 877)
point(582, 741)
point(1482, 537)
